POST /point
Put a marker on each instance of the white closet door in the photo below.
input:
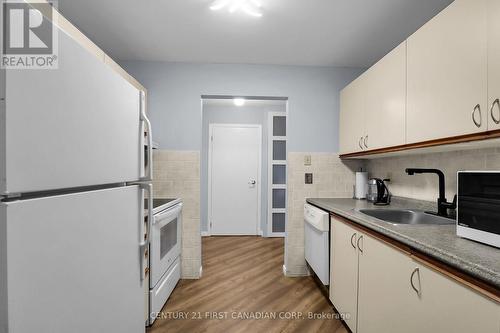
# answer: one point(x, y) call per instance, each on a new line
point(71, 263)
point(235, 159)
point(77, 125)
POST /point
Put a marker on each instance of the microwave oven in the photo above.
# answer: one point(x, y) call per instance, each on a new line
point(478, 206)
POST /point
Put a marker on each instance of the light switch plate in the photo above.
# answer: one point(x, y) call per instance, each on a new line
point(307, 160)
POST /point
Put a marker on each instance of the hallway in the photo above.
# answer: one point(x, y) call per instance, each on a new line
point(243, 290)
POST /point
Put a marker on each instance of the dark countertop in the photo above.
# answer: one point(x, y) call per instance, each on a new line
point(437, 241)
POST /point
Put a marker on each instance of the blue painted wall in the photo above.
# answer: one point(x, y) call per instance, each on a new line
point(174, 91)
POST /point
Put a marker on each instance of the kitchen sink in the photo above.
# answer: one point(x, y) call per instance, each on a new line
point(406, 216)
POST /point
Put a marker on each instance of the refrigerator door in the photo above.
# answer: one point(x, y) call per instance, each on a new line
point(78, 125)
point(72, 263)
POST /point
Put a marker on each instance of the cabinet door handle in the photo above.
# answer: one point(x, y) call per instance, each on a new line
point(416, 270)
point(497, 102)
point(365, 141)
point(352, 240)
point(359, 247)
point(477, 108)
point(359, 142)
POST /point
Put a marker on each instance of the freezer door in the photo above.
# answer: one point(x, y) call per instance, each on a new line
point(78, 125)
point(72, 263)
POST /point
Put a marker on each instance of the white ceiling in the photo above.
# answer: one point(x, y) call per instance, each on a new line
point(349, 33)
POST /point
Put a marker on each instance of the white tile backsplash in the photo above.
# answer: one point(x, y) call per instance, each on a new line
point(177, 175)
point(332, 178)
point(425, 186)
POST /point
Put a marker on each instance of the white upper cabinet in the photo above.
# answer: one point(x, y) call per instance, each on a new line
point(447, 74)
point(385, 103)
point(377, 98)
point(352, 120)
point(442, 82)
point(493, 64)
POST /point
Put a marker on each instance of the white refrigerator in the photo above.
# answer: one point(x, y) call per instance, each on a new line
point(72, 183)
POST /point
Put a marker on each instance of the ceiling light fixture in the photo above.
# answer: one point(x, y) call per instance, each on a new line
point(250, 7)
point(239, 101)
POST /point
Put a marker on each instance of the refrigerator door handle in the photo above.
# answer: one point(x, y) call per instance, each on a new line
point(145, 119)
point(142, 252)
point(144, 234)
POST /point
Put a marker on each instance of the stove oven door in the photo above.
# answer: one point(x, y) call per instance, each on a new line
point(165, 242)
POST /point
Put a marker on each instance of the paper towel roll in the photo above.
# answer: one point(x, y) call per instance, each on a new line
point(361, 185)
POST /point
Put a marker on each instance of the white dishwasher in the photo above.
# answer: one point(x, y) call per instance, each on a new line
point(317, 241)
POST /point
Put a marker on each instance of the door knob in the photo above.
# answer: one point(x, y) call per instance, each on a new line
point(252, 182)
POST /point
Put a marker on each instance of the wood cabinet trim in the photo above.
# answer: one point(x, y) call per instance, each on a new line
point(462, 278)
point(477, 285)
point(426, 144)
point(382, 238)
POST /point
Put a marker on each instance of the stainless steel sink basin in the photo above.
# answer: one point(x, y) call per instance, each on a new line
point(406, 216)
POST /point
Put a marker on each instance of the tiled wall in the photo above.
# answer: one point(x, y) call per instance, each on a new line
point(331, 178)
point(425, 187)
point(177, 174)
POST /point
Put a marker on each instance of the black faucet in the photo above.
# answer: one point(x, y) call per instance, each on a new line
point(442, 204)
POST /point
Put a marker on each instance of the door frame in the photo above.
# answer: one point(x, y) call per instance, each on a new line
point(211, 127)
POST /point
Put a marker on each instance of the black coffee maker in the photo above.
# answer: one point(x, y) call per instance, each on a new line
point(378, 192)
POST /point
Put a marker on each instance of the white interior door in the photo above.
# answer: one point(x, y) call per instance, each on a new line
point(234, 179)
point(73, 263)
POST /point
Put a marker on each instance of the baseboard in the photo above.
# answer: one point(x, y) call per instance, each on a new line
point(303, 271)
point(193, 277)
point(208, 234)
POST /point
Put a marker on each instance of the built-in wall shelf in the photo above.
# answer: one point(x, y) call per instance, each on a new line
point(462, 142)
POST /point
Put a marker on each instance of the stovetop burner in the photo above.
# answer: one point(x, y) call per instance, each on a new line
point(160, 204)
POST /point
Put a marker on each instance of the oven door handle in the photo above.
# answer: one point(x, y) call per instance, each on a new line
point(167, 215)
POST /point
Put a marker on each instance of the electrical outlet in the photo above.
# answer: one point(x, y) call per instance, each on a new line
point(307, 160)
point(308, 178)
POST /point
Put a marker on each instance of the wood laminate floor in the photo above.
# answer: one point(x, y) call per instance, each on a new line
point(243, 277)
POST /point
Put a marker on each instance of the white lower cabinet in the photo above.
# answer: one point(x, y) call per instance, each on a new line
point(344, 271)
point(447, 306)
point(386, 301)
point(382, 289)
